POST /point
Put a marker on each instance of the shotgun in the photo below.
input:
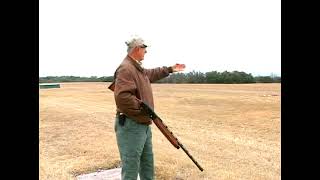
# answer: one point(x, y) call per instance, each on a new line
point(163, 128)
point(166, 132)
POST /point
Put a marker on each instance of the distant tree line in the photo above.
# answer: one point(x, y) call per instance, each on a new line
point(213, 77)
point(55, 79)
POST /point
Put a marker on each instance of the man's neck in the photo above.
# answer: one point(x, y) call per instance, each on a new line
point(139, 62)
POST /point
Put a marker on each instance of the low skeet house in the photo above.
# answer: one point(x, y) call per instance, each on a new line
point(49, 85)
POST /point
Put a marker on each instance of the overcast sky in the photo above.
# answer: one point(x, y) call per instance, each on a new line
point(87, 37)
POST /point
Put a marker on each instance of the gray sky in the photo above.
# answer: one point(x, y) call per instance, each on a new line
point(87, 37)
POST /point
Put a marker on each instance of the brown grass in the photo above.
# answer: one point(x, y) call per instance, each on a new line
point(233, 131)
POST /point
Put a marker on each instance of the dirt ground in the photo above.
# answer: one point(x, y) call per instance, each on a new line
point(232, 130)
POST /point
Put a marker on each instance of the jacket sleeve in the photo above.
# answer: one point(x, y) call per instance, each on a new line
point(158, 73)
point(124, 92)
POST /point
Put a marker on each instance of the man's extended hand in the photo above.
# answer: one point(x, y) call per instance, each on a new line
point(178, 67)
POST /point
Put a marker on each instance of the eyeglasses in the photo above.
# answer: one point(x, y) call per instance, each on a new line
point(143, 47)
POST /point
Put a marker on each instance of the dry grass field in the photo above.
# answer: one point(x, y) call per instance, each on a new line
point(232, 130)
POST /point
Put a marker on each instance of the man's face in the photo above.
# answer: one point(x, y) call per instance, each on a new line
point(141, 51)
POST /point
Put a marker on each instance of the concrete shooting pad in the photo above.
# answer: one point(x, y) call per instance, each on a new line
point(110, 174)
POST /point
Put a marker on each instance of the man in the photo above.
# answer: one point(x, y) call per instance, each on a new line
point(131, 87)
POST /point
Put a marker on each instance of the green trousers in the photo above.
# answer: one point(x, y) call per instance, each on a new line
point(135, 146)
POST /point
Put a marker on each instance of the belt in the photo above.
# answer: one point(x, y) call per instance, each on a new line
point(122, 118)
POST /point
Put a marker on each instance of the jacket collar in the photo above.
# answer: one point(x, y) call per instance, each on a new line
point(133, 62)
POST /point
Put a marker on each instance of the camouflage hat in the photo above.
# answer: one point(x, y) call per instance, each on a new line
point(136, 42)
